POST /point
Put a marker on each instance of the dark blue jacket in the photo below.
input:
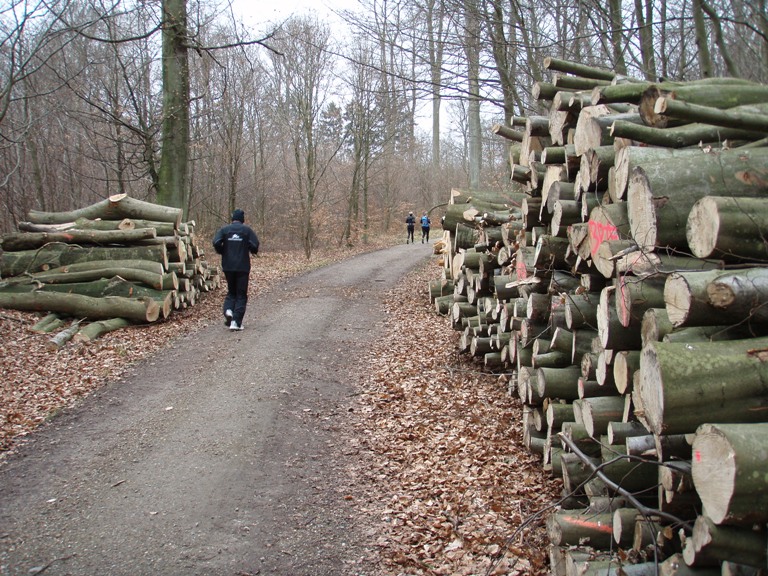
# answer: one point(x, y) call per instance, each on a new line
point(236, 242)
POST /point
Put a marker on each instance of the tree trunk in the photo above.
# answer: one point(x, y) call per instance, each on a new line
point(173, 176)
point(662, 194)
point(728, 472)
point(683, 385)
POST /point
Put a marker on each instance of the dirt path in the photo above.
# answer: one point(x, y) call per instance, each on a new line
point(223, 455)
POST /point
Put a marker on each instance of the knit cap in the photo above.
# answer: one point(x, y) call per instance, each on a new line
point(238, 215)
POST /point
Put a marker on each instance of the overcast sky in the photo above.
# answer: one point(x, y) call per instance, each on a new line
point(262, 12)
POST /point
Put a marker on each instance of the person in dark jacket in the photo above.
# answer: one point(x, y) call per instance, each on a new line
point(410, 222)
point(236, 242)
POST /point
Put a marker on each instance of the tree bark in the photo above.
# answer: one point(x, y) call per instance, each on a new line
point(683, 385)
point(662, 194)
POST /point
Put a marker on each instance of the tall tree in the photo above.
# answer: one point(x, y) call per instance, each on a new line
point(173, 175)
point(302, 67)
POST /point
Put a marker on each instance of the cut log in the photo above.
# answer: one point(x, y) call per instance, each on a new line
point(730, 543)
point(717, 297)
point(48, 324)
point(625, 364)
point(613, 334)
point(31, 240)
point(681, 136)
point(115, 207)
point(581, 310)
point(608, 222)
point(149, 279)
point(135, 310)
point(55, 255)
point(570, 527)
point(631, 156)
point(675, 566)
point(729, 228)
point(60, 339)
point(578, 69)
point(95, 330)
point(746, 117)
point(728, 472)
point(560, 383)
point(661, 195)
point(597, 412)
point(635, 295)
point(683, 385)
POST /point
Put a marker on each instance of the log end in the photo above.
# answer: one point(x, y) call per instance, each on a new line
point(703, 227)
point(641, 210)
point(713, 470)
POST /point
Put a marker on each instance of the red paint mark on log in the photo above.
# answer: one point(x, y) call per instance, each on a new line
point(588, 524)
point(760, 353)
point(600, 232)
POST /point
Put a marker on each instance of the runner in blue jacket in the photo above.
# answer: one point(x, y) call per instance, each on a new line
point(236, 242)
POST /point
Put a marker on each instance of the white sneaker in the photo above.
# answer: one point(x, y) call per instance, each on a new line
point(228, 314)
point(235, 326)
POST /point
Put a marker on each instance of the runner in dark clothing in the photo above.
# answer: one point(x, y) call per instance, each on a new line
point(236, 242)
point(410, 222)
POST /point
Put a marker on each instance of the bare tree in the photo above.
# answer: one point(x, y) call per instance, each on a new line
point(301, 71)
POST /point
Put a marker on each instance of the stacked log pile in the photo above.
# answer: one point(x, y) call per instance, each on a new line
point(621, 292)
point(117, 262)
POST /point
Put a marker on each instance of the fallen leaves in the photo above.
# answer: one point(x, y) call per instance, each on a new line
point(450, 482)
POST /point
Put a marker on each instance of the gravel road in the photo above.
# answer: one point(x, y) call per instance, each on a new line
point(223, 455)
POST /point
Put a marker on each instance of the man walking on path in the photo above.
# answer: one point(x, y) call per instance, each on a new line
point(425, 222)
point(410, 222)
point(236, 242)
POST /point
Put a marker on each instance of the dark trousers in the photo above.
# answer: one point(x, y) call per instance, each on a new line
point(425, 233)
point(410, 234)
point(237, 294)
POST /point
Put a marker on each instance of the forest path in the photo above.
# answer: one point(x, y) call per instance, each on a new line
point(222, 455)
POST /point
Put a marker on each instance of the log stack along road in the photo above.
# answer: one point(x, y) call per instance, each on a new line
point(222, 455)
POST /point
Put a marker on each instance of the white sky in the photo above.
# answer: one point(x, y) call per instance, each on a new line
point(262, 12)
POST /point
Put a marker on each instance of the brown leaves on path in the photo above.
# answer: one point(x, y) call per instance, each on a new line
point(449, 480)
